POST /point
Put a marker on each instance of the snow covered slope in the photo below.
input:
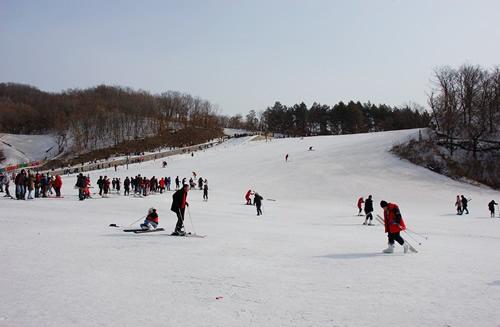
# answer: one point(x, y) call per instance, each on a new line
point(27, 148)
point(308, 261)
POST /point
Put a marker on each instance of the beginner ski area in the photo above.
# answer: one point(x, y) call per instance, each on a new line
point(307, 261)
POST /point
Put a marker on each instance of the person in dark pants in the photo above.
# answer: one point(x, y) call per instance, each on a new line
point(100, 184)
point(126, 186)
point(394, 224)
point(464, 205)
point(491, 206)
point(368, 211)
point(257, 200)
point(80, 184)
point(205, 192)
point(179, 205)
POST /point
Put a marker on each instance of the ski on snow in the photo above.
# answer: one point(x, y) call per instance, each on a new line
point(188, 235)
point(140, 230)
point(381, 220)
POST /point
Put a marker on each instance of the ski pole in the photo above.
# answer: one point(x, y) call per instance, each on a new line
point(418, 234)
point(191, 220)
point(137, 220)
point(413, 238)
point(115, 225)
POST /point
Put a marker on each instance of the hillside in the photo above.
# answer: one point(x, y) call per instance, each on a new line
point(308, 261)
point(27, 148)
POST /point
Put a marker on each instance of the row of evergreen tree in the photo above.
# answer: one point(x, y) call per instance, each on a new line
point(341, 118)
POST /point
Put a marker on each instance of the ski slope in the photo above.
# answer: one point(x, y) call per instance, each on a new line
point(308, 261)
point(19, 148)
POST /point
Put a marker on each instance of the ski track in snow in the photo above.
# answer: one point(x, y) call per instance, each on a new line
point(308, 261)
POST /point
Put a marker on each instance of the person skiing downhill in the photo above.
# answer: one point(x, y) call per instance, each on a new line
point(179, 205)
point(360, 205)
point(394, 224)
point(368, 211)
point(491, 206)
point(151, 221)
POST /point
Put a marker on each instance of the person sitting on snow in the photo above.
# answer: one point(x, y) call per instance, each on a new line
point(151, 221)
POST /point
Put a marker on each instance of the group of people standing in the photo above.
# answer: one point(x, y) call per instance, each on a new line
point(30, 185)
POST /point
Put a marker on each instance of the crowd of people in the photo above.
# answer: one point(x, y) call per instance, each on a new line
point(139, 186)
point(29, 185)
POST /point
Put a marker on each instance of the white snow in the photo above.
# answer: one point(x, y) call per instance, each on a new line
point(307, 261)
point(18, 148)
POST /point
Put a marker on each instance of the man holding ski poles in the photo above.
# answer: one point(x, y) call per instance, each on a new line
point(179, 204)
point(394, 224)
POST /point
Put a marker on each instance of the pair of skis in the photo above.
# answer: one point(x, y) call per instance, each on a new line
point(144, 231)
point(410, 247)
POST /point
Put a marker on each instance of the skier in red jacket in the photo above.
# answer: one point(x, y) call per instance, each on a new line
point(394, 224)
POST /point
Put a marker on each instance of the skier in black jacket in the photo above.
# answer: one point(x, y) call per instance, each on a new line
point(491, 206)
point(257, 200)
point(179, 204)
point(100, 184)
point(126, 186)
point(464, 205)
point(368, 210)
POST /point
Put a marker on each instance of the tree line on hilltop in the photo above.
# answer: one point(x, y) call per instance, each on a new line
point(341, 118)
point(465, 103)
point(101, 116)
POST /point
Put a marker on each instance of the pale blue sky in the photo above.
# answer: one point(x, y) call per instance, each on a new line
point(244, 55)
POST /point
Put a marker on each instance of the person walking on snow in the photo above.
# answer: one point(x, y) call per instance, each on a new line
point(368, 211)
point(360, 205)
point(179, 205)
point(394, 224)
point(286, 158)
point(464, 205)
point(205, 192)
point(491, 206)
point(257, 199)
point(151, 221)
point(458, 204)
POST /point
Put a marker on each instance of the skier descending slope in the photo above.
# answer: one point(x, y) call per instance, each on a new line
point(151, 221)
point(179, 205)
point(394, 224)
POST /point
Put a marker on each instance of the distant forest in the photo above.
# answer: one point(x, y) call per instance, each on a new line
point(106, 116)
point(341, 118)
point(101, 116)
